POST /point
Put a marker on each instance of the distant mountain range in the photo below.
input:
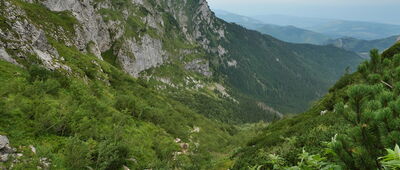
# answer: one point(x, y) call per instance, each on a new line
point(362, 47)
point(293, 34)
point(285, 33)
point(335, 28)
point(354, 36)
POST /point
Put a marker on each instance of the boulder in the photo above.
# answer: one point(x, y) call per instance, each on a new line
point(5, 149)
point(4, 142)
point(3, 157)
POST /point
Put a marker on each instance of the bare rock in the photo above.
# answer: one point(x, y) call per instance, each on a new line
point(139, 56)
point(93, 29)
point(4, 157)
point(27, 38)
point(4, 142)
point(232, 63)
point(33, 149)
point(5, 149)
point(125, 167)
point(199, 65)
point(4, 55)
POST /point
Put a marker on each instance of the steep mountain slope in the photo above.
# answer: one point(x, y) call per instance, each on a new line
point(104, 84)
point(181, 44)
point(285, 79)
point(335, 28)
point(285, 33)
point(347, 129)
point(65, 107)
point(362, 47)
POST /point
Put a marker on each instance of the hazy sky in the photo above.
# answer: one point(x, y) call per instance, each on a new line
point(386, 11)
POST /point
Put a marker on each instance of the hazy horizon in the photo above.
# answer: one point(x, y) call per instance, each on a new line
point(383, 11)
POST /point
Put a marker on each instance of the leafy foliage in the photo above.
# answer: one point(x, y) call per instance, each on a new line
point(93, 119)
point(392, 159)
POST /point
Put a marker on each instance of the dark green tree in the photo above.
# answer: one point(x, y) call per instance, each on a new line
point(372, 109)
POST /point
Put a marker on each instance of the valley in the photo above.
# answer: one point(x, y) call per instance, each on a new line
point(149, 84)
point(360, 36)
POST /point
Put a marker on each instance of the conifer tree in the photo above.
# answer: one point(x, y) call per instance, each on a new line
point(373, 111)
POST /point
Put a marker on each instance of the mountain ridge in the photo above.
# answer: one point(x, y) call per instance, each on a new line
point(285, 33)
point(323, 136)
point(145, 84)
point(336, 28)
point(362, 47)
point(136, 49)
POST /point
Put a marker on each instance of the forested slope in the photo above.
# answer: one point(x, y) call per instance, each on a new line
point(350, 127)
point(105, 84)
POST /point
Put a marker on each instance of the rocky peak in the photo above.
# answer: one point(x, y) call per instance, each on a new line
point(135, 31)
point(144, 51)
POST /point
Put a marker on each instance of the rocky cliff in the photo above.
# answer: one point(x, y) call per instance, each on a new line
point(134, 31)
point(106, 84)
point(159, 40)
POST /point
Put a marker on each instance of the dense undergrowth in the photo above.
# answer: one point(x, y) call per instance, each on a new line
point(97, 116)
point(103, 119)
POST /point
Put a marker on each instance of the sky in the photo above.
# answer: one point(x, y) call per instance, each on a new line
point(384, 11)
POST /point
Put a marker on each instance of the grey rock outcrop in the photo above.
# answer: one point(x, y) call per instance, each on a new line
point(136, 57)
point(92, 28)
point(96, 33)
point(5, 56)
point(198, 23)
point(398, 39)
point(4, 142)
point(26, 38)
point(5, 149)
point(199, 65)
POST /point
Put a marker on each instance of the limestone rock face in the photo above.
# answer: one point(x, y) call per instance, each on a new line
point(92, 28)
point(135, 47)
point(26, 38)
point(197, 23)
point(199, 65)
point(5, 56)
point(136, 57)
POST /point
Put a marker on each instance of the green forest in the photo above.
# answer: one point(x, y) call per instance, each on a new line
point(355, 126)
